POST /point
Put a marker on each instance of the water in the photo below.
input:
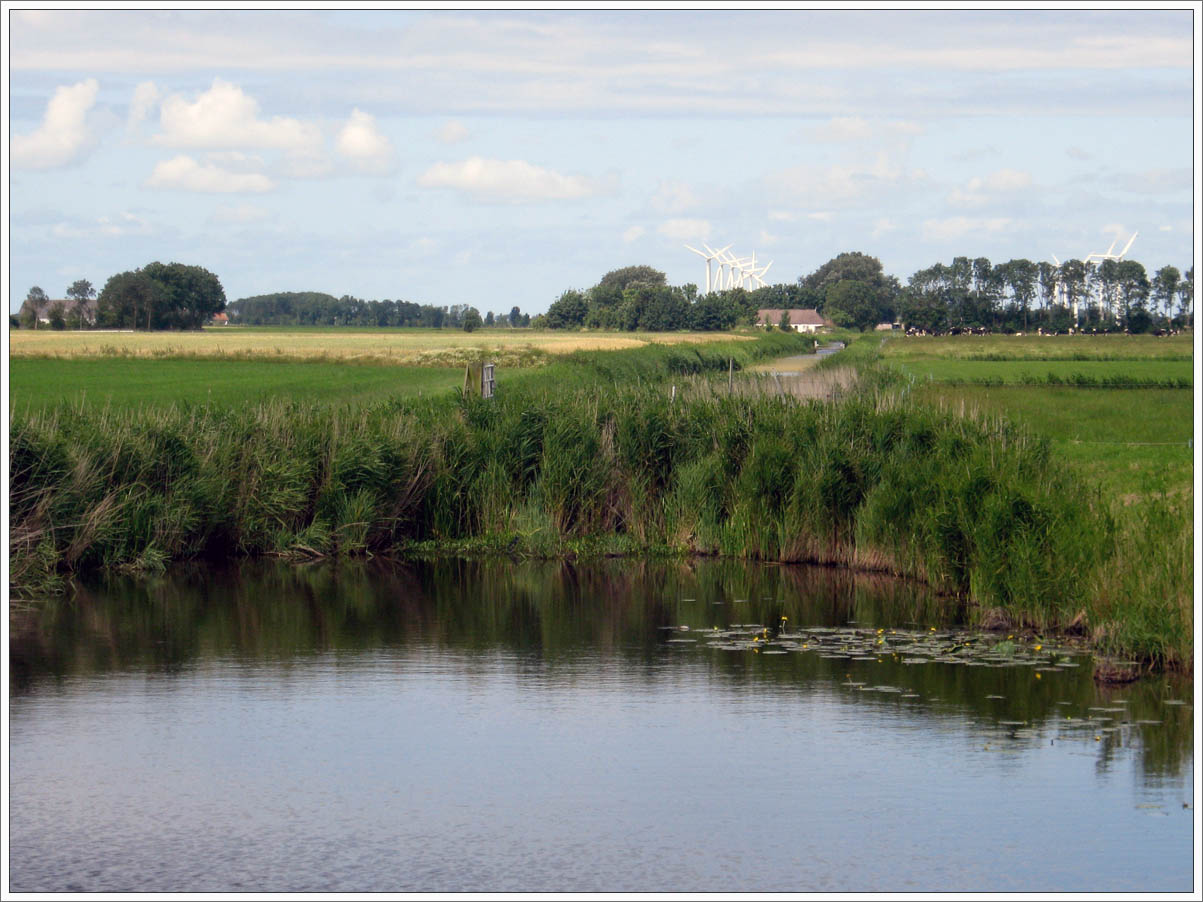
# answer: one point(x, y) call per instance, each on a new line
point(544, 727)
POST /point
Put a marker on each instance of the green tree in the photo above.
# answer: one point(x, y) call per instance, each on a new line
point(1186, 299)
point(1021, 277)
point(471, 320)
point(31, 308)
point(621, 278)
point(1165, 288)
point(853, 304)
point(784, 323)
point(568, 311)
point(57, 314)
point(1132, 288)
point(489, 320)
point(1072, 276)
point(192, 294)
point(515, 317)
point(160, 296)
point(80, 292)
point(129, 300)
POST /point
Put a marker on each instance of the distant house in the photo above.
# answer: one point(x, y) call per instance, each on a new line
point(887, 327)
point(70, 309)
point(219, 319)
point(800, 320)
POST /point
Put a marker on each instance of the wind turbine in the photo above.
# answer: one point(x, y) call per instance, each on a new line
point(707, 258)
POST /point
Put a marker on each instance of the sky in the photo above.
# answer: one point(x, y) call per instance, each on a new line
point(499, 157)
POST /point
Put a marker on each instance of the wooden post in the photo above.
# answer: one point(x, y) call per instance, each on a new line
point(730, 375)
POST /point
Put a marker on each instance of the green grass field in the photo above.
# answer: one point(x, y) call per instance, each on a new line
point(1148, 371)
point(1133, 441)
point(1041, 347)
point(131, 382)
point(1130, 441)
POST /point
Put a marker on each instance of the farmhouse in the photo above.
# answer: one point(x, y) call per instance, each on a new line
point(72, 310)
point(219, 319)
point(800, 320)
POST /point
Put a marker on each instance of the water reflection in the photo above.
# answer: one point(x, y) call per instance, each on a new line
point(550, 617)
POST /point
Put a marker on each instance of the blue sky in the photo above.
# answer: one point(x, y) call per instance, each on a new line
point(499, 157)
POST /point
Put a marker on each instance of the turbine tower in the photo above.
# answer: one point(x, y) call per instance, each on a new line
point(732, 271)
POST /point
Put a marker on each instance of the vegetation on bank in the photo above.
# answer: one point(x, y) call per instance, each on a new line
point(630, 451)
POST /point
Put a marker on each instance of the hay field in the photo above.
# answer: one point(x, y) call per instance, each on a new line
point(405, 347)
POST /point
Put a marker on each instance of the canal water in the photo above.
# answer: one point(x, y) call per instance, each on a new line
point(463, 726)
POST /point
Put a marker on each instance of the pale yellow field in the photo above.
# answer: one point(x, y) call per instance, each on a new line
point(416, 347)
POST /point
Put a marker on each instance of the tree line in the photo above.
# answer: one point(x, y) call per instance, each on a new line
point(312, 308)
point(157, 296)
point(851, 289)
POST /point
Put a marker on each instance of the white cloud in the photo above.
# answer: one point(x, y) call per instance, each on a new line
point(848, 129)
point(452, 132)
point(146, 98)
point(64, 136)
point(1157, 181)
point(673, 197)
point(226, 117)
point(845, 184)
point(361, 143)
point(685, 229)
point(1077, 153)
point(882, 226)
point(983, 190)
point(842, 128)
point(238, 214)
point(959, 226)
point(768, 238)
point(1008, 180)
point(821, 216)
point(183, 173)
point(782, 215)
point(122, 225)
point(634, 233)
point(508, 180)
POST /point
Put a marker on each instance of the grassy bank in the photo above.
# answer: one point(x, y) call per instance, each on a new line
point(633, 451)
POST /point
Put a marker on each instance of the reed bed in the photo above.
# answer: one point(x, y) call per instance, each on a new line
point(649, 451)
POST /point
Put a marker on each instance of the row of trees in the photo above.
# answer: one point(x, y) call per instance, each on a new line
point(639, 297)
point(1020, 295)
point(157, 296)
point(853, 290)
point(160, 296)
point(312, 308)
point(75, 312)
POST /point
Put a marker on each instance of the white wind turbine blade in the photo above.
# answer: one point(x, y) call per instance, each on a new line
point(1129, 244)
point(1110, 249)
point(696, 251)
point(1055, 260)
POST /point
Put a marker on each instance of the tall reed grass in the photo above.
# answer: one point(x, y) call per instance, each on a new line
point(600, 453)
